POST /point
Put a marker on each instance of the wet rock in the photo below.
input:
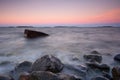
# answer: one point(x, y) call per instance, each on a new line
point(116, 73)
point(24, 76)
point(4, 77)
point(48, 63)
point(117, 57)
point(33, 34)
point(43, 75)
point(22, 67)
point(99, 78)
point(93, 58)
point(95, 52)
point(108, 76)
point(102, 67)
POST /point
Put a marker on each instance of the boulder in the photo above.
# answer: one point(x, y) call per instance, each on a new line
point(34, 34)
point(99, 78)
point(93, 58)
point(43, 75)
point(116, 73)
point(20, 68)
point(48, 63)
point(117, 57)
point(5, 77)
point(102, 67)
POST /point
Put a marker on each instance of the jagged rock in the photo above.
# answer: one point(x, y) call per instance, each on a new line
point(20, 68)
point(33, 34)
point(102, 67)
point(4, 77)
point(116, 73)
point(117, 57)
point(48, 63)
point(99, 78)
point(93, 58)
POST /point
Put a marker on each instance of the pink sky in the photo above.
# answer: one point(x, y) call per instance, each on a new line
point(37, 12)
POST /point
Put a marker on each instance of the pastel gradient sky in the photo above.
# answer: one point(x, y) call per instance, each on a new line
point(59, 12)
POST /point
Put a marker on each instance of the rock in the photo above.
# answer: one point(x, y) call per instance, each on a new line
point(117, 57)
point(95, 52)
point(116, 73)
point(22, 67)
point(4, 77)
point(108, 76)
point(34, 34)
point(24, 76)
point(93, 58)
point(99, 78)
point(48, 63)
point(43, 75)
point(102, 67)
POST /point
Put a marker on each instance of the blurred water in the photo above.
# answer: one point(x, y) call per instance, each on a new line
point(64, 43)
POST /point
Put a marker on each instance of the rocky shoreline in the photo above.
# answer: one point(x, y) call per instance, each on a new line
point(49, 67)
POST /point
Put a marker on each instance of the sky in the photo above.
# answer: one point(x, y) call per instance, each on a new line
point(59, 12)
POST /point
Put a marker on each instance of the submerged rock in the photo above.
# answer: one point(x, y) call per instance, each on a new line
point(95, 52)
point(117, 57)
point(33, 34)
point(116, 73)
point(48, 63)
point(102, 67)
point(93, 58)
point(3, 77)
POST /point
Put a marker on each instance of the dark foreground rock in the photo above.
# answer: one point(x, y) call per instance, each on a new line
point(117, 57)
point(20, 68)
point(93, 58)
point(99, 78)
point(102, 67)
point(116, 73)
point(34, 34)
point(3, 77)
point(45, 75)
point(48, 63)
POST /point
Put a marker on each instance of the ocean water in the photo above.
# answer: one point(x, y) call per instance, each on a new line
point(68, 44)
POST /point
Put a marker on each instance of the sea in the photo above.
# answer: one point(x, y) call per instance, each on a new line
point(67, 44)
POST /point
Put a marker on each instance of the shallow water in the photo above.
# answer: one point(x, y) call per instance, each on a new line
point(64, 43)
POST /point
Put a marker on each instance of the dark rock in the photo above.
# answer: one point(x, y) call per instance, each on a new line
point(102, 67)
point(116, 73)
point(93, 58)
point(108, 76)
point(117, 57)
point(3, 77)
point(99, 78)
point(24, 76)
point(22, 67)
point(33, 34)
point(48, 63)
point(95, 52)
point(43, 75)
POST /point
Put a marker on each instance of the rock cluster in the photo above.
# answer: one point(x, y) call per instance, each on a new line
point(49, 67)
